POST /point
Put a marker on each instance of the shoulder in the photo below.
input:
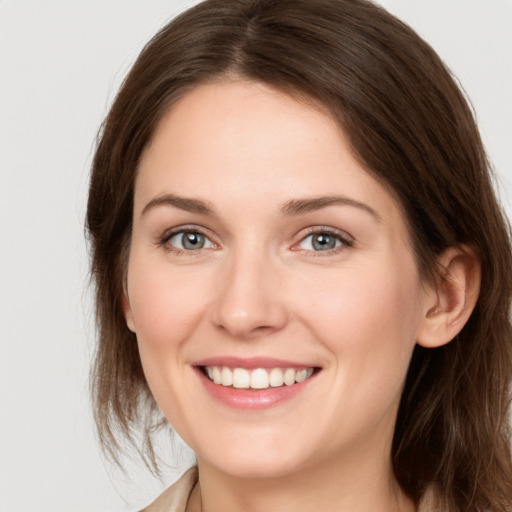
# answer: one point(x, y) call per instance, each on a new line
point(174, 499)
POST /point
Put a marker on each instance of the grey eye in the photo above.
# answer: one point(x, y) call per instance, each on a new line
point(190, 241)
point(320, 242)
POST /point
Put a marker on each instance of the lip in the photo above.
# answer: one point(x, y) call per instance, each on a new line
point(251, 363)
point(249, 399)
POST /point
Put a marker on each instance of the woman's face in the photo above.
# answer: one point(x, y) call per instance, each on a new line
point(263, 254)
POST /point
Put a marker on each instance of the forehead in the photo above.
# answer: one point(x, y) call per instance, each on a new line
point(247, 142)
point(233, 122)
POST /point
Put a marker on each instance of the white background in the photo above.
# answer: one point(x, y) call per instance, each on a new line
point(61, 62)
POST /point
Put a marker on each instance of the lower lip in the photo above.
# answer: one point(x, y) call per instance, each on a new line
point(251, 398)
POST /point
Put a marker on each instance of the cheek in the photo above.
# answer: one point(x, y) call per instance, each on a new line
point(368, 314)
point(368, 322)
point(166, 306)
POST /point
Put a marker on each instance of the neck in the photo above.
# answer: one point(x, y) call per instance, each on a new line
point(346, 486)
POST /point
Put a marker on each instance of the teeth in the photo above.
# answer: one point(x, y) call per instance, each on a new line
point(241, 378)
point(289, 376)
point(301, 375)
point(226, 377)
point(260, 378)
point(276, 378)
point(217, 378)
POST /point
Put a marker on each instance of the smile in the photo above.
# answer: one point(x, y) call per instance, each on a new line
point(258, 378)
point(255, 383)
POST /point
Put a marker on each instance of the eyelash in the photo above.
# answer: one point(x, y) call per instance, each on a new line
point(168, 235)
point(345, 240)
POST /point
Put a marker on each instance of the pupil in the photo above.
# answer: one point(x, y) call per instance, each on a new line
point(323, 242)
point(193, 241)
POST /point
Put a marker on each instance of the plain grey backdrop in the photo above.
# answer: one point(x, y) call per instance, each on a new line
point(61, 62)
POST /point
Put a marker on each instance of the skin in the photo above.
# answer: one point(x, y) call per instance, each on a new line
point(259, 288)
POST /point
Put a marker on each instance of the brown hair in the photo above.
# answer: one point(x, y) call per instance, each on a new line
point(409, 125)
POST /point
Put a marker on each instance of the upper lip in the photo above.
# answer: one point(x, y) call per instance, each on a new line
point(251, 363)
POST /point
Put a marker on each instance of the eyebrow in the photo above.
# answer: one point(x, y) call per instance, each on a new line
point(301, 206)
point(183, 203)
point(290, 208)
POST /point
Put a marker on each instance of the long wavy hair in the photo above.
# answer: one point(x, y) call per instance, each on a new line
point(410, 127)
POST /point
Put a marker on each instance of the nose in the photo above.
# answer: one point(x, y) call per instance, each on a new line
point(250, 300)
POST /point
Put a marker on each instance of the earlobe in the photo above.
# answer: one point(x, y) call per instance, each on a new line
point(127, 310)
point(453, 298)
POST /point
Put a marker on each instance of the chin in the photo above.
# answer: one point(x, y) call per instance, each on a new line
point(255, 461)
point(246, 467)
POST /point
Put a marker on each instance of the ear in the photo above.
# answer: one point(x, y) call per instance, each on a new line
point(127, 310)
point(452, 299)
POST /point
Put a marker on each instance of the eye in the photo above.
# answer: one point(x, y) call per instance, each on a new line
point(323, 241)
point(189, 241)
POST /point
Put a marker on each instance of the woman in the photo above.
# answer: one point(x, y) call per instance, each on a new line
point(300, 262)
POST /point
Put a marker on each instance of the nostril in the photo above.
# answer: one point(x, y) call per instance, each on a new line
point(263, 330)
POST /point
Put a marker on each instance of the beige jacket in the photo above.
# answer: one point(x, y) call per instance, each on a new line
point(174, 499)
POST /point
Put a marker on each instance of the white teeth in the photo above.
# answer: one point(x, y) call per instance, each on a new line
point(289, 376)
point(300, 376)
point(241, 378)
point(276, 377)
point(226, 377)
point(259, 378)
point(217, 378)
